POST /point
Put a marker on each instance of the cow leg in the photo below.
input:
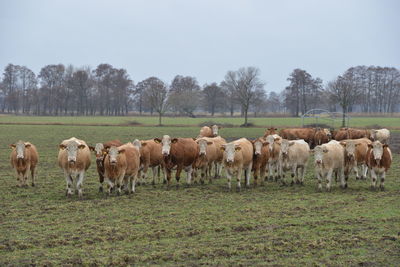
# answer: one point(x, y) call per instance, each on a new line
point(101, 180)
point(209, 171)
point(355, 169)
point(19, 180)
point(329, 180)
point(143, 173)
point(79, 183)
point(294, 175)
point(248, 174)
point(238, 178)
point(155, 174)
point(127, 183)
point(302, 173)
point(168, 174)
point(229, 177)
point(33, 174)
point(256, 174)
point(119, 182)
point(69, 181)
point(133, 183)
point(262, 171)
point(203, 174)
point(319, 177)
point(373, 178)
point(364, 172)
point(189, 171)
point(382, 184)
point(178, 174)
point(110, 185)
point(343, 179)
point(270, 171)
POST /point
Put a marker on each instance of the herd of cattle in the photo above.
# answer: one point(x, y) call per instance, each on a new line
point(122, 166)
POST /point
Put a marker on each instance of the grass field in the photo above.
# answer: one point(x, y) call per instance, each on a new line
point(393, 123)
point(188, 226)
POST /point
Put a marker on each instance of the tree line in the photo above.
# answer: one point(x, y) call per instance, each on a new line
point(106, 90)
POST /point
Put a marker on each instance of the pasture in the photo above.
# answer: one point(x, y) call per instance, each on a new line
point(196, 225)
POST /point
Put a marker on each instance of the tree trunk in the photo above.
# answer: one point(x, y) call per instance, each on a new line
point(159, 119)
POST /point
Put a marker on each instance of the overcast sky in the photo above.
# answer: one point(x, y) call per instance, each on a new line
point(204, 39)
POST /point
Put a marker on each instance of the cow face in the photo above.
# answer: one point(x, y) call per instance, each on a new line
point(349, 149)
point(137, 143)
point(257, 145)
point(20, 149)
point(113, 153)
point(230, 150)
point(319, 152)
point(377, 150)
point(271, 140)
point(203, 146)
point(214, 129)
point(328, 133)
point(98, 149)
point(285, 147)
point(166, 144)
point(72, 150)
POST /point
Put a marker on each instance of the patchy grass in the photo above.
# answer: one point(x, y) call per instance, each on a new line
point(197, 225)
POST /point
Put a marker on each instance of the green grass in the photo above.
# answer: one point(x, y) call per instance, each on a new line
point(201, 224)
point(185, 121)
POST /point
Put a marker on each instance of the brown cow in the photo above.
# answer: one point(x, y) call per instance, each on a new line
point(98, 150)
point(355, 154)
point(379, 159)
point(179, 152)
point(74, 159)
point(207, 131)
point(150, 156)
point(307, 134)
point(270, 131)
point(351, 133)
point(260, 159)
point(208, 155)
point(218, 141)
point(24, 158)
point(121, 167)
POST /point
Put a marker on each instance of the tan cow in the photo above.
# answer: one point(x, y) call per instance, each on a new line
point(293, 156)
point(329, 159)
point(208, 156)
point(382, 135)
point(351, 133)
point(355, 155)
point(307, 134)
point(24, 158)
point(260, 159)
point(207, 131)
point(121, 167)
point(179, 152)
point(379, 159)
point(274, 146)
point(238, 156)
point(74, 159)
point(99, 152)
point(150, 156)
point(270, 131)
point(218, 141)
point(321, 136)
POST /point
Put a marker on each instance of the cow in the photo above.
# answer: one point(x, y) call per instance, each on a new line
point(74, 159)
point(24, 159)
point(260, 158)
point(274, 146)
point(321, 136)
point(270, 131)
point(179, 152)
point(207, 157)
point(329, 159)
point(293, 156)
point(238, 156)
point(379, 159)
point(121, 167)
point(382, 135)
point(351, 133)
point(99, 152)
point(307, 134)
point(207, 131)
point(355, 154)
point(150, 156)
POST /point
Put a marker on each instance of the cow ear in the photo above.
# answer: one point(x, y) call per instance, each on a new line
point(276, 129)
point(357, 144)
point(12, 145)
point(385, 145)
point(277, 139)
point(81, 146)
point(222, 148)
point(265, 143)
point(209, 143)
point(28, 145)
point(291, 143)
point(143, 143)
point(238, 148)
point(325, 150)
point(121, 151)
point(104, 151)
point(91, 148)
point(174, 140)
point(343, 144)
point(194, 139)
point(62, 146)
point(157, 140)
point(370, 145)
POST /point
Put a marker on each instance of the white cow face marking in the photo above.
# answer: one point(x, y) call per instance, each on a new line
point(98, 148)
point(377, 150)
point(319, 154)
point(166, 144)
point(258, 144)
point(230, 150)
point(20, 148)
point(137, 143)
point(203, 146)
point(214, 129)
point(270, 140)
point(285, 147)
point(350, 149)
point(72, 149)
point(113, 153)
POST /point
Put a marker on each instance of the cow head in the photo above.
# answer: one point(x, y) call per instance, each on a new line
point(373, 134)
point(285, 147)
point(215, 129)
point(271, 140)
point(257, 145)
point(166, 142)
point(113, 153)
point(328, 133)
point(319, 152)
point(229, 151)
point(72, 149)
point(20, 148)
point(377, 150)
point(203, 146)
point(350, 149)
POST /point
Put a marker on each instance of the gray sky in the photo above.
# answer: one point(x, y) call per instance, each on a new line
point(204, 39)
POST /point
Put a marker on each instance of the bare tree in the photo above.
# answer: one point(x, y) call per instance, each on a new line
point(246, 86)
point(156, 94)
point(184, 95)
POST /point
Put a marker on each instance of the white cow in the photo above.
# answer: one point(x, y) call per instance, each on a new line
point(293, 156)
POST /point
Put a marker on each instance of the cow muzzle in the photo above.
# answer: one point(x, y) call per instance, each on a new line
point(318, 161)
point(20, 157)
